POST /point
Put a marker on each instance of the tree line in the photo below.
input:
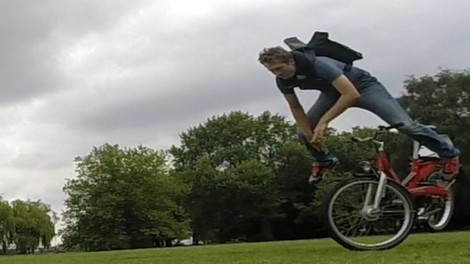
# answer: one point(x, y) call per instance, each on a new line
point(239, 177)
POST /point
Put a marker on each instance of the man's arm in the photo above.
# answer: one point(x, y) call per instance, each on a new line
point(299, 115)
point(349, 96)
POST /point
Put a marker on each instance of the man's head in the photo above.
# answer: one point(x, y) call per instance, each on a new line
point(278, 61)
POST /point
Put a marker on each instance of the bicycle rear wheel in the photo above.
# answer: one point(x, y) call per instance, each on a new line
point(439, 211)
point(357, 226)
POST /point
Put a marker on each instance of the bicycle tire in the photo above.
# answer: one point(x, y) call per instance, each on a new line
point(444, 219)
point(348, 244)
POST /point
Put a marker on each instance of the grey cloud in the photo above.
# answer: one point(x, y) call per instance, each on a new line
point(39, 160)
point(213, 67)
point(43, 185)
point(29, 46)
point(177, 103)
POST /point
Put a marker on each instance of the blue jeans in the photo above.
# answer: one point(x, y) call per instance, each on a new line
point(377, 100)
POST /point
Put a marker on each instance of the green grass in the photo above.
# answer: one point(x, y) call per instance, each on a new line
point(438, 248)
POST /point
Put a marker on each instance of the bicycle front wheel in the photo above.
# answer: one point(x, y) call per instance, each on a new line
point(354, 222)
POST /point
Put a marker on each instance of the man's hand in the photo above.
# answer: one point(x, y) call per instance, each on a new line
point(319, 133)
point(319, 136)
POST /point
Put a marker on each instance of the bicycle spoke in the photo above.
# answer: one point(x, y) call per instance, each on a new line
point(342, 216)
point(349, 205)
point(353, 225)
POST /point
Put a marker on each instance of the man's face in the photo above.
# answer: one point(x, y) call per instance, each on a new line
point(283, 70)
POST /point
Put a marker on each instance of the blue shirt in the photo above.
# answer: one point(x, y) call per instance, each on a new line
point(319, 75)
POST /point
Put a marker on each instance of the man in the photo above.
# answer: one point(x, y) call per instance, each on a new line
point(343, 86)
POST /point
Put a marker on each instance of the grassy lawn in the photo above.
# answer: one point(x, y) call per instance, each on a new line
point(438, 248)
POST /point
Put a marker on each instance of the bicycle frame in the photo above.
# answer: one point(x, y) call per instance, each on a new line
point(419, 172)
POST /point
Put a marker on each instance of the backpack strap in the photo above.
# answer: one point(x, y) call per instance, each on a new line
point(294, 43)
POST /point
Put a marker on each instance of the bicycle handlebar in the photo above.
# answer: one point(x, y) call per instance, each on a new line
point(358, 139)
point(381, 129)
point(387, 128)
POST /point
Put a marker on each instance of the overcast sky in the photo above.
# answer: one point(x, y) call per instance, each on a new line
point(78, 74)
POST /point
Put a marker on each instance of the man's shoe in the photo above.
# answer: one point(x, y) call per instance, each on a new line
point(320, 167)
point(450, 168)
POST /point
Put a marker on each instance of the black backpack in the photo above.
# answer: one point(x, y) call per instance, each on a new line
point(320, 45)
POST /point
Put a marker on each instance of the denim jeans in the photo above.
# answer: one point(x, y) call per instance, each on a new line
point(376, 99)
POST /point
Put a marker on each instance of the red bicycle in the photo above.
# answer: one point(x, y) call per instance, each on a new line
point(375, 210)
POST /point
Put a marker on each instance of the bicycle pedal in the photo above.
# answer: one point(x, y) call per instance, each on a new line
point(421, 211)
point(423, 218)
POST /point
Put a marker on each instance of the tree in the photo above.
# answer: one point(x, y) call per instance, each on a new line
point(122, 198)
point(7, 225)
point(229, 161)
point(34, 225)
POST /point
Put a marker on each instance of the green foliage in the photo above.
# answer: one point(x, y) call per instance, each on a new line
point(7, 224)
point(352, 153)
point(231, 139)
point(442, 100)
point(232, 166)
point(296, 196)
point(26, 224)
point(244, 203)
point(122, 198)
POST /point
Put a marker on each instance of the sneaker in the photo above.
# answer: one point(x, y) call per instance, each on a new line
point(320, 167)
point(450, 168)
